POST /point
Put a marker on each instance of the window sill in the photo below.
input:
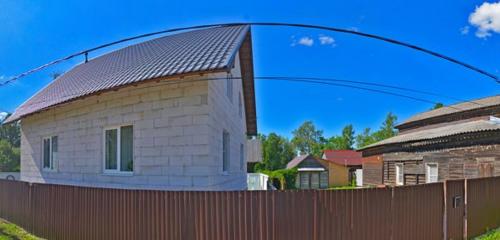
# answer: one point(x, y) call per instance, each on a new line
point(225, 173)
point(122, 174)
point(48, 170)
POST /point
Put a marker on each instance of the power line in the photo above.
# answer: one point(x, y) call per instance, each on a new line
point(278, 78)
point(334, 29)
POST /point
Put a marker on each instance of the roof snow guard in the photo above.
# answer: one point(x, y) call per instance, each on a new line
point(194, 52)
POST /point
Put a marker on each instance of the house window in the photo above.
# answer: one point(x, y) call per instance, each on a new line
point(240, 106)
point(242, 156)
point(399, 174)
point(229, 87)
point(323, 179)
point(49, 153)
point(225, 151)
point(118, 149)
point(431, 172)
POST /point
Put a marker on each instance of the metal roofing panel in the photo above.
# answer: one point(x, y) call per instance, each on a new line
point(195, 51)
point(455, 129)
point(460, 107)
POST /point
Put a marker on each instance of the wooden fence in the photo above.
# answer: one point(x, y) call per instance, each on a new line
point(410, 212)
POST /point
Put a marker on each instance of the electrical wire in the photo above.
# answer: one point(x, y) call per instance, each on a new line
point(334, 29)
point(285, 79)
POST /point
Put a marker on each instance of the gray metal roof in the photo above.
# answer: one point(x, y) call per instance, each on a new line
point(460, 107)
point(204, 50)
point(428, 134)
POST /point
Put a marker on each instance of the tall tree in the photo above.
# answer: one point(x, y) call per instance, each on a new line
point(11, 133)
point(387, 130)
point(307, 139)
point(277, 151)
point(343, 142)
point(9, 157)
point(365, 138)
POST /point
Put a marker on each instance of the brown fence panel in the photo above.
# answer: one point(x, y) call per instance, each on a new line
point(483, 205)
point(417, 212)
point(410, 212)
point(455, 208)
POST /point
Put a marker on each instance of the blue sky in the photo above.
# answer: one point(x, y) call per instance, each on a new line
point(36, 32)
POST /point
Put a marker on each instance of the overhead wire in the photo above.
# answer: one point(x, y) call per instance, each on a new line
point(334, 29)
point(272, 78)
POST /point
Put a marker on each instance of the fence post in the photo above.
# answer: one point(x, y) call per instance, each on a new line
point(465, 209)
point(445, 211)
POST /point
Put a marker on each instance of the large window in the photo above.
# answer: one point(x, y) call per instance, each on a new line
point(118, 149)
point(400, 179)
point(431, 172)
point(225, 151)
point(49, 153)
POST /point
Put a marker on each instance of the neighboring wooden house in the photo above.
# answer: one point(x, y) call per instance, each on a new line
point(312, 173)
point(167, 113)
point(455, 142)
point(342, 166)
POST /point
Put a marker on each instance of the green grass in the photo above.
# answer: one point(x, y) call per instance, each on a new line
point(342, 188)
point(491, 235)
point(9, 231)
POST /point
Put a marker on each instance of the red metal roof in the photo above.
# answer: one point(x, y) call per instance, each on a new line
point(343, 157)
point(189, 52)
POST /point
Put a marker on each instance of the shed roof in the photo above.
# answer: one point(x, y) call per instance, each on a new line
point(455, 108)
point(445, 131)
point(343, 157)
point(207, 50)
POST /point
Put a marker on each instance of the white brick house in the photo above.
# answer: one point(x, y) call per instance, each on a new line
point(172, 113)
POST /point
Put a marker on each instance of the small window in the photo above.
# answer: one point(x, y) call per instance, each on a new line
point(431, 172)
point(242, 156)
point(49, 155)
point(240, 106)
point(399, 174)
point(229, 87)
point(118, 149)
point(225, 151)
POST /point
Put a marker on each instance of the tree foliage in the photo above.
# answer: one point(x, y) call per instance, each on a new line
point(9, 157)
point(387, 130)
point(307, 139)
point(277, 151)
point(10, 141)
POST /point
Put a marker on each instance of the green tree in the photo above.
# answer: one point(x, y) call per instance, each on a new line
point(307, 139)
point(387, 130)
point(365, 138)
point(9, 157)
point(11, 133)
point(437, 105)
point(343, 142)
point(277, 151)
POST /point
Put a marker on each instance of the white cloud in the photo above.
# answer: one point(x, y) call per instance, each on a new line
point(326, 40)
point(486, 18)
point(306, 41)
point(464, 30)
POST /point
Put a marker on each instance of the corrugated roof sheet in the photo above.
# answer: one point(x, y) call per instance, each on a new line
point(196, 51)
point(428, 134)
point(344, 157)
point(460, 107)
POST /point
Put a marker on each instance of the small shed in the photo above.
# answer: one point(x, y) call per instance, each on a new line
point(312, 173)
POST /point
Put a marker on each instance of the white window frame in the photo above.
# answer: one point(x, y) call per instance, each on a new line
point(226, 152)
point(427, 171)
point(399, 166)
point(116, 171)
point(52, 159)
